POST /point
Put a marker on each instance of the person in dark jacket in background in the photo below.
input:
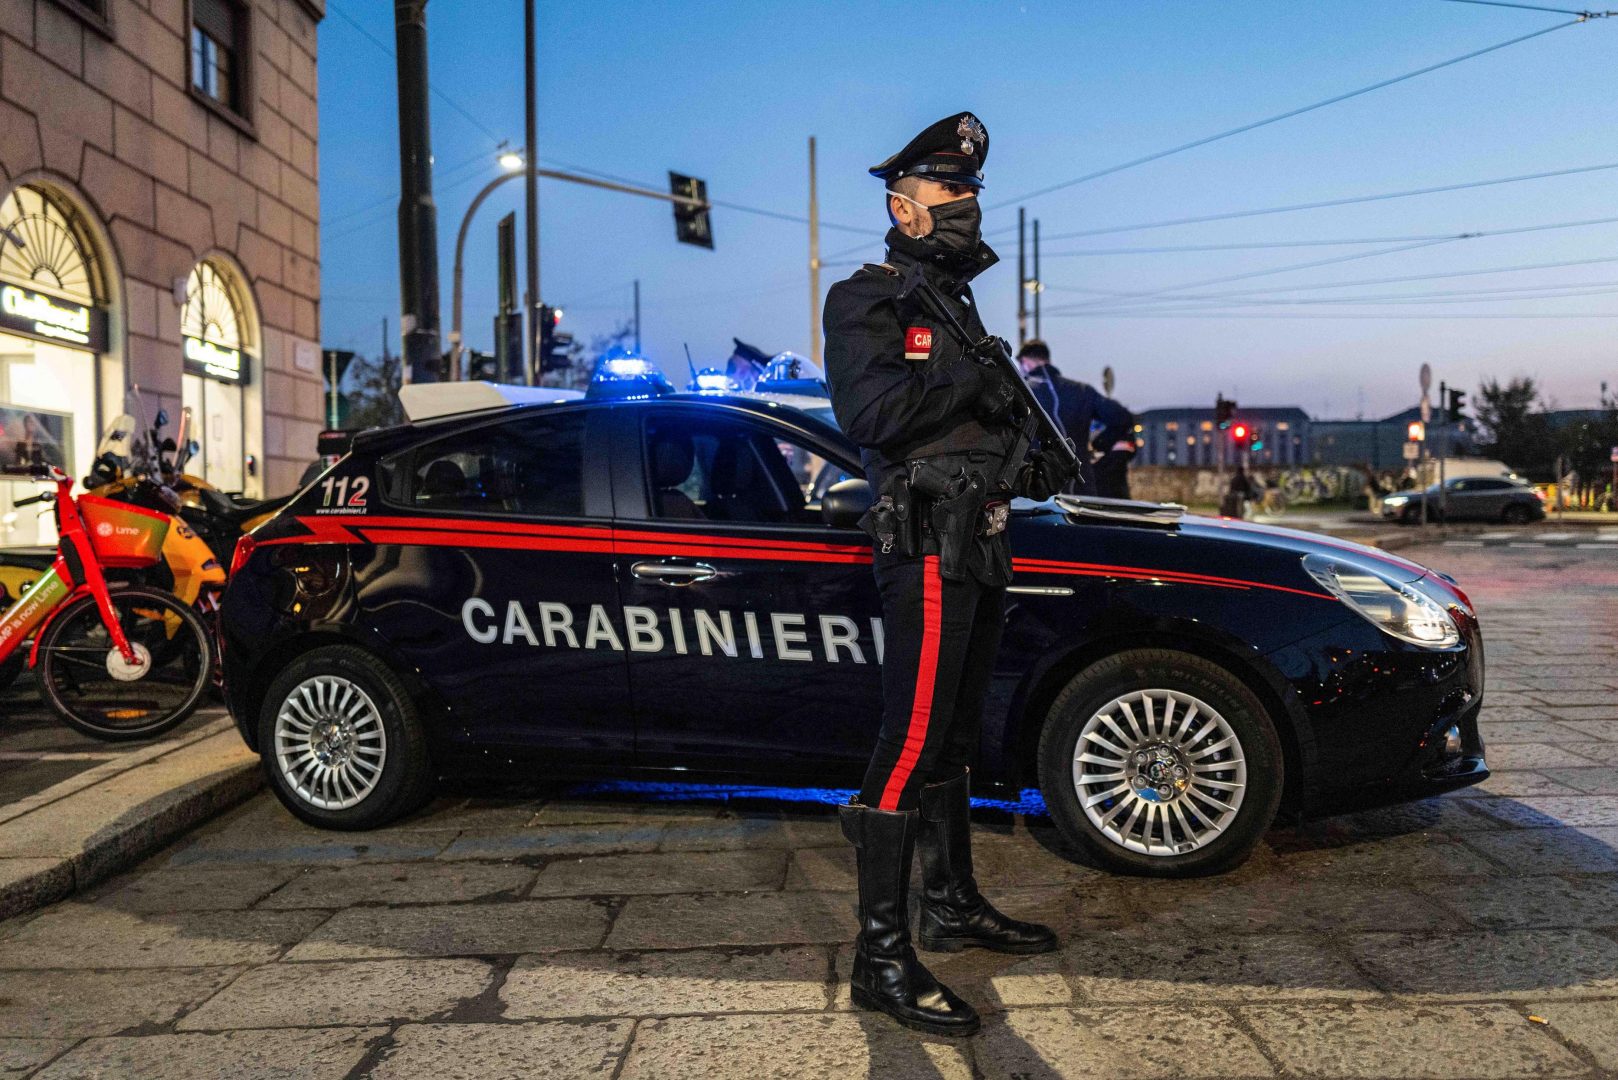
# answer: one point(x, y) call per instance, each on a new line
point(1116, 445)
point(1072, 404)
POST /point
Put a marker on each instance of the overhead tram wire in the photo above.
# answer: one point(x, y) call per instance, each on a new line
point(1326, 203)
point(1069, 309)
point(1458, 297)
point(1261, 245)
point(1134, 298)
point(1535, 7)
point(1420, 242)
point(1289, 114)
point(1348, 315)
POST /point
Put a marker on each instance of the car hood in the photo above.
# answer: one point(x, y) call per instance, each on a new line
point(1161, 516)
point(1302, 543)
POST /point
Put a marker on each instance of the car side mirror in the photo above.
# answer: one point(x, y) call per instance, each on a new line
point(845, 502)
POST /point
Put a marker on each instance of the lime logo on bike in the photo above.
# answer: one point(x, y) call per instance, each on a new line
point(26, 614)
point(124, 535)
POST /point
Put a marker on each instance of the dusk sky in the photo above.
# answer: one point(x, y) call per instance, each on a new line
point(730, 92)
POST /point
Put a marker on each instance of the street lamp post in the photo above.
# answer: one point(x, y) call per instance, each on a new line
point(511, 162)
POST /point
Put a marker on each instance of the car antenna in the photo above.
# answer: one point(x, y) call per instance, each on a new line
point(689, 362)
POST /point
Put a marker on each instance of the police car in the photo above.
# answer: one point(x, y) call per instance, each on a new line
point(649, 583)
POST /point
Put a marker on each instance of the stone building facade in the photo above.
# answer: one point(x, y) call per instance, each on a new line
point(159, 231)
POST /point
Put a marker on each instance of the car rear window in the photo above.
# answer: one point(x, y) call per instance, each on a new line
point(534, 465)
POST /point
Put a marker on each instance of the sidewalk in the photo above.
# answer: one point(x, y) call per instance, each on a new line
point(74, 810)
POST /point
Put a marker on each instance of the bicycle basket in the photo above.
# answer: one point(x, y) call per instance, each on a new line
point(123, 535)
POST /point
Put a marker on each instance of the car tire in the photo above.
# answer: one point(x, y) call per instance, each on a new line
point(1409, 516)
point(1515, 514)
point(341, 740)
point(1184, 832)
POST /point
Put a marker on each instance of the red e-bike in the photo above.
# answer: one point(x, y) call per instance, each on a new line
point(118, 662)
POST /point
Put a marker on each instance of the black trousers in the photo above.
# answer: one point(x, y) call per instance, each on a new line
point(940, 640)
point(1112, 474)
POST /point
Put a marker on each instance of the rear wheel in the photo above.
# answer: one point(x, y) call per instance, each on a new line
point(342, 742)
point(1516, 514)
point(85, 679)
point(1160, 763)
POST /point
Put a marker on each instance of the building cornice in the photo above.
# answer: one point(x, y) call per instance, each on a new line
point(316, 9)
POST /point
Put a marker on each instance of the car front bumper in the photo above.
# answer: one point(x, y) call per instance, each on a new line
point(1384, 722)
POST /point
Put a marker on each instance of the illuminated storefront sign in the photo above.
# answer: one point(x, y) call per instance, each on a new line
point(23, 311)
point(214, 361)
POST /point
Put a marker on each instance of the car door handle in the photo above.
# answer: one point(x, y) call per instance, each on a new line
point(675, 574)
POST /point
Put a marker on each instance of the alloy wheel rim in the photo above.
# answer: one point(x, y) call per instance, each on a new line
point(329, 742)
point(1159, 772)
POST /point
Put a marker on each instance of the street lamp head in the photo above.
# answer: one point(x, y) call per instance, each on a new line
point(511, 161)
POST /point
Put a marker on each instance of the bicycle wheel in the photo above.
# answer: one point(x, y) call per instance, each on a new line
point(83, 677)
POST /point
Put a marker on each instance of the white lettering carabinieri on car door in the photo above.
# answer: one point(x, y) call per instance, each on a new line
point(783, 635)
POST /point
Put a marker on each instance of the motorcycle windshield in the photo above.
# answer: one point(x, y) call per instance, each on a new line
point(119, 439)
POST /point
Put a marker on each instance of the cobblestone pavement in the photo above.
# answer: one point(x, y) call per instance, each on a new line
point(576, 938)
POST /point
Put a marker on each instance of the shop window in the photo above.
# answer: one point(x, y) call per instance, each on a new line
point(219, 52)
point(53, 325)
point(218, 363)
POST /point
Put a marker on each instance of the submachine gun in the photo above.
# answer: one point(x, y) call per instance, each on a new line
point(964, 507)
point(1028, 415)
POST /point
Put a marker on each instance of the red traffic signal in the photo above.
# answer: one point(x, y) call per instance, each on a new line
point(1239, 433)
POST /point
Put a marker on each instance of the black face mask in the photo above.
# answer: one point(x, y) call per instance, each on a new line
point(957, 226)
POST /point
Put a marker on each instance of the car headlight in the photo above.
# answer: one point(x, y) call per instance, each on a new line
point(1395, 607)
point(1396, 500)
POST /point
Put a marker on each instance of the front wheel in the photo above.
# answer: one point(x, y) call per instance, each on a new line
point(85, 679)
point(1160, 763)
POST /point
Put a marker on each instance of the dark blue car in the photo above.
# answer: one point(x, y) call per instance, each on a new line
point(675, 587)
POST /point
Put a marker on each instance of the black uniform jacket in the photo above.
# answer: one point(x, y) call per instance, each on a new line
point(900, 382)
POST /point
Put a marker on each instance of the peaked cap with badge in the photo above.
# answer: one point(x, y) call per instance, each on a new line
point(951, 151)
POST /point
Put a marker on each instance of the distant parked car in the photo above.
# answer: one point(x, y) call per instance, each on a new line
point(1470, 498)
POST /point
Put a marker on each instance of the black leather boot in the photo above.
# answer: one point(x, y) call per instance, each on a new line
point(887, 976)
point(954, 915)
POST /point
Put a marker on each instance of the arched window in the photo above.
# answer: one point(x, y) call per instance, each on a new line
point(44, 243)
point(53, 343)
point(216, 333)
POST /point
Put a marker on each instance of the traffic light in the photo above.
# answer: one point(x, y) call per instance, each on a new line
point(555, 347)
point(1257, 439)
point(1239, 433)
point(1456, 406)
point(691, 223)
point(482, 366)
point(1223, 411)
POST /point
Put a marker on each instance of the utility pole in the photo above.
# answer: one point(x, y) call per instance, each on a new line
point(814, 260)
point(637, 317)
point(530, 197)
point(1039, 282)
point(1443, 449)
point(418, 218)
point(1022, 280)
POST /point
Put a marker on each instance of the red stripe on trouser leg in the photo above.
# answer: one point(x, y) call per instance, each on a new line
point(921, 706)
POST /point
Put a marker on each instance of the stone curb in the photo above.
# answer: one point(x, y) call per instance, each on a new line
point(71, 843)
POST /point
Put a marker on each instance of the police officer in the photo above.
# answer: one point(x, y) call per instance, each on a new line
point(1073, 404)
point(934, 428)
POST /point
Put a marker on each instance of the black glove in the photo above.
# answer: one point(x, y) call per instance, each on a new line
point(1040, 477)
